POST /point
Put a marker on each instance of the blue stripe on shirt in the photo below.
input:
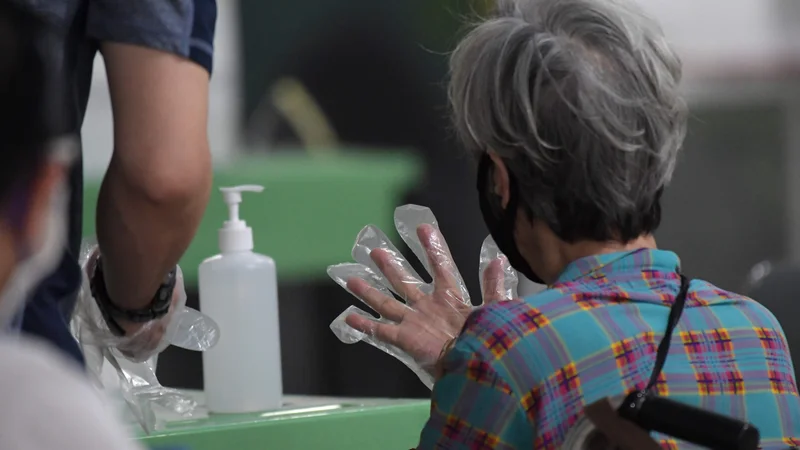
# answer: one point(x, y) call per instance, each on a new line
point(201, 46)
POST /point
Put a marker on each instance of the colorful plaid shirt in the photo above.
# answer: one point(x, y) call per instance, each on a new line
point(521, 372)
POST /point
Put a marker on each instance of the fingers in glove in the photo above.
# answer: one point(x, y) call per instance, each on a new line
point(402, 282)
point(371, 238)
point(384, 332)
point(349, 335)
point(385, 305)
point(490, 254)
point(407, 220)
point(493, 282)
point(443, 270)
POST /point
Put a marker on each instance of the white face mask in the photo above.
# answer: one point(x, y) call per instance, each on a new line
point(43, 261)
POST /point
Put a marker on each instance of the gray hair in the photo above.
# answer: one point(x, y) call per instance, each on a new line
point(580, 97)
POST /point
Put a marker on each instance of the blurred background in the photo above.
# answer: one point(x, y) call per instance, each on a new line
point(339, 110)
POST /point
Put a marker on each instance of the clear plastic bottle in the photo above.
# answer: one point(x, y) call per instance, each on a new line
point(238, 289)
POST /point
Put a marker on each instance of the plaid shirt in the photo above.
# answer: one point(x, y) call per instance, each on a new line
point(521, 372)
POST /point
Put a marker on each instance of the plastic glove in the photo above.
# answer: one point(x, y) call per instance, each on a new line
point(134, 357)
point(416, 329)
point(184, 327)
point(139, 387)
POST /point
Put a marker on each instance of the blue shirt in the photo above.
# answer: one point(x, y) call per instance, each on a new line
point(182, 27)
point(521, 372)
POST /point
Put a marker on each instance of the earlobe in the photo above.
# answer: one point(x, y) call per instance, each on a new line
point(501, 179)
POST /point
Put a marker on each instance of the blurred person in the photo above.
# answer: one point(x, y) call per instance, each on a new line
point(574, 111)
point(46, 402)
point(158, 57)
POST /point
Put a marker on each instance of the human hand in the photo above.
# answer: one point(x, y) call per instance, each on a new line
point(181, 326)
point(416, 329)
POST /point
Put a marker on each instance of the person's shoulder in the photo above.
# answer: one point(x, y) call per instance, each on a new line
point(523, 315)
point(705, 293)
point(49, 403)
point(734, 310)
point(30, 361)
point(501, 324)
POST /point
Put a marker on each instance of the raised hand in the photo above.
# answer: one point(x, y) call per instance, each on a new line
point(415, 329)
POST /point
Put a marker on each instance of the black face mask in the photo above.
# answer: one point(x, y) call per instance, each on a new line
point(501, 222)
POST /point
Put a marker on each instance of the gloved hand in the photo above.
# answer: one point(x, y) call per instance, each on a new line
point(134, 356)
point(184, 327)
point(416, 329)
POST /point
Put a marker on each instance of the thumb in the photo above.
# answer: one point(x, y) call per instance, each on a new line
point(493, 281)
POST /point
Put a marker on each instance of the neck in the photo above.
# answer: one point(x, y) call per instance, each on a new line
point(578, 250)
point(562, 254)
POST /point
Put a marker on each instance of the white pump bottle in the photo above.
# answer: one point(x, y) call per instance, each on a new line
point(238, 289)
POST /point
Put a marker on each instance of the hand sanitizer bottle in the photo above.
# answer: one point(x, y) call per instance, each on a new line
point(238, 289)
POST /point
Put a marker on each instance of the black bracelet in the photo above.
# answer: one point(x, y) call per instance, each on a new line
point(158, 308)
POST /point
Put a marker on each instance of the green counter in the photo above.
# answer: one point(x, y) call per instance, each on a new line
point(310, 211)
point(305, 424)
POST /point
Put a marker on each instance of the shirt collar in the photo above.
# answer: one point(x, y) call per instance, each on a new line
point(608, 263)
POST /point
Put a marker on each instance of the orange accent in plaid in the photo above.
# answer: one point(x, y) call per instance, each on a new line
point(531, 320)
point(499, 342)
point(481, 372)
point(484, 441)
point(705, 384)
point(721, 340)
point(453, 427)
point(778, 382)
point(695, 300)
point(623, 353)
point(531, 401)
point(600, 278)
point(692, 342)
point(567, 379)
point(769, 339)
point(586, 300)
point(668, 444)
point(661, 385)
point(545, 441)
point(650, 274)
point(723, 294)
point(734, 383)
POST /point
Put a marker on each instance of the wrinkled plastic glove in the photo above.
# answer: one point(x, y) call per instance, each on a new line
point(134, 357)
point(140, 389)
point(416, 327)
point(182, 326)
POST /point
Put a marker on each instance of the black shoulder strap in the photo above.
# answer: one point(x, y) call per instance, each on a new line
point(663, 347)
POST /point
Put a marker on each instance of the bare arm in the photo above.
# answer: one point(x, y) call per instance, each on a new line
point(157, 185)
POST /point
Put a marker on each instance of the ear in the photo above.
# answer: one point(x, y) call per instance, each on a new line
point(501, 179)
point(42, 190)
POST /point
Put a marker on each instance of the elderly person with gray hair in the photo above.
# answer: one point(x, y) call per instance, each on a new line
point(573, 109)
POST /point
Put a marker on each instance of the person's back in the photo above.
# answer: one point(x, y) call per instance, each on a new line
point(49, 404)
point(594, 334)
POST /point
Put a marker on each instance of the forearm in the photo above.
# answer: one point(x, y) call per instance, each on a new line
point(141, 235)
point(157, 185)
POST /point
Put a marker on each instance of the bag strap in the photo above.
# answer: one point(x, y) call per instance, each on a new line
point(663, 347)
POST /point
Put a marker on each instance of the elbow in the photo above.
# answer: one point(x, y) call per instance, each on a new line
point(177, 179)
point(188, 188)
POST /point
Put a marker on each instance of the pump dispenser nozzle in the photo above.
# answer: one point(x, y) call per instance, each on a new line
point(235, 235)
